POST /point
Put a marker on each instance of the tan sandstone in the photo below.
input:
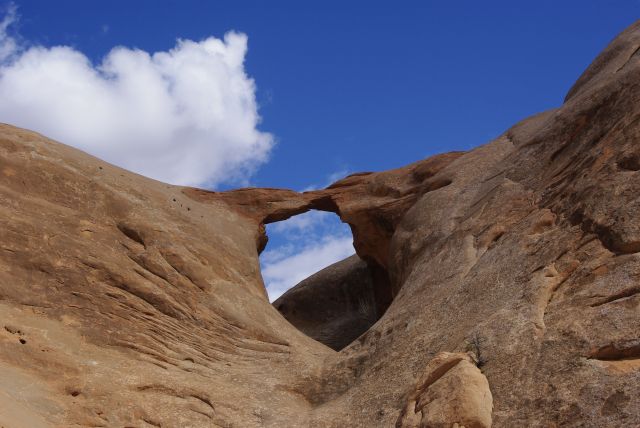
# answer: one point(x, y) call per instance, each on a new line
point(504, 286)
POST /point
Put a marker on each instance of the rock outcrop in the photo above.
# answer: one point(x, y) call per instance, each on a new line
point(334, 306)
point(502, 286)
point(451, 392)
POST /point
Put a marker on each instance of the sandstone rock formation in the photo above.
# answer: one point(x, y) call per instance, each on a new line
point(334, 306)
point(503, 282)
point(452, 391)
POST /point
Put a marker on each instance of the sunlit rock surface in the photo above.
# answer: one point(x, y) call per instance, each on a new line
point(504, 285)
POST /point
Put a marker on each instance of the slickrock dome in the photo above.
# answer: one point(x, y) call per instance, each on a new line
point(500, 286)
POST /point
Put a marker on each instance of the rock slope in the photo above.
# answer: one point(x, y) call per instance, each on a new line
point(503, 286)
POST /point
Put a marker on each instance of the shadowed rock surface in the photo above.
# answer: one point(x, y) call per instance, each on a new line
point(506, 280)
point(335, 305)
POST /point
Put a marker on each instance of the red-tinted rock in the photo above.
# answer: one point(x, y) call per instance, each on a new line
point(129, 302)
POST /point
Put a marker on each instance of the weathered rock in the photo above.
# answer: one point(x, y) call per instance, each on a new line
point(451, 392)
point(335, 305)
point(129, 302)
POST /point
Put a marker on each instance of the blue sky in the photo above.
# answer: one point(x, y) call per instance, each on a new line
point(326, 87)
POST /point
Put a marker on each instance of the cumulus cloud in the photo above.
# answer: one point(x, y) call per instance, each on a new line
point(185, 116)
point(284, 269)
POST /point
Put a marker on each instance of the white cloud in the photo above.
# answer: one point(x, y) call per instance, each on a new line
point(285, 271)
point(8, 45)
point(337, 176)
point(331, 178)
point(185, 116)
point(302, 222)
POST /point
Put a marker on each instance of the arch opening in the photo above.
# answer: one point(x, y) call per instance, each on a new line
point(300, 246)
point(318, 283)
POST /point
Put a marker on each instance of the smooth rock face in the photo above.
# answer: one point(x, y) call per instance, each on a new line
point(506, 280)
point(335, 305)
